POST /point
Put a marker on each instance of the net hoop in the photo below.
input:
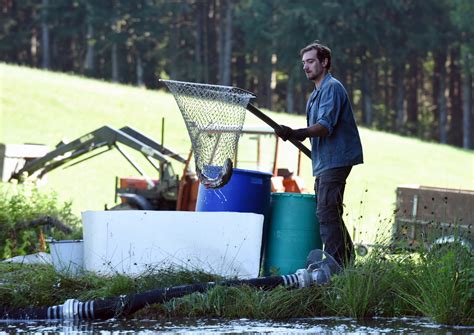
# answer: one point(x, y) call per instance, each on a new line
point(214, 116)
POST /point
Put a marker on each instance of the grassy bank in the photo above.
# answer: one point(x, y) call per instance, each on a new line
point(44, 107)
point(437, 283)
point(438, 286)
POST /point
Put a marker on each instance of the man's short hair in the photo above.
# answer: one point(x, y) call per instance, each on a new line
point(322, 52)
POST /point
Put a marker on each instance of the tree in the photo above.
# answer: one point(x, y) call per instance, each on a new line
point(257, 23)
point(89, 60)
point(45, 63)
point(461, 15)
point(18, 35)
point(455, 105)
point(439, 98)
point(228, 44)
point(407, 65)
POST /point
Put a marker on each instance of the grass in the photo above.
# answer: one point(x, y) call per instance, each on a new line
point(434, 285)
point(24, 285)
point(244, 302)
point(444, 283)
point(438, 286)
point(370, 288)
point(45, 107)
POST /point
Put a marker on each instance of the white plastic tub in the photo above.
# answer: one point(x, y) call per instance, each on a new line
point(131, 242)
point(67, 256)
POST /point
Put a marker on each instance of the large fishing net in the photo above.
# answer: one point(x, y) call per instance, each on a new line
point(214, 116)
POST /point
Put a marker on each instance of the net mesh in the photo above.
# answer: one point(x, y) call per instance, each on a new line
point(214, 116)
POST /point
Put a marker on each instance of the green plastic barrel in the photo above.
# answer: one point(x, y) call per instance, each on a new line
point(293, 231)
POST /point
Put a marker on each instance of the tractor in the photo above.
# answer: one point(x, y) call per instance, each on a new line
point(169, 191)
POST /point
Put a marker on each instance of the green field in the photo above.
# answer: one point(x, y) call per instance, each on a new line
point(44, 107)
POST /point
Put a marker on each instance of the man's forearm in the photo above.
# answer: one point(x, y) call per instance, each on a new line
point(301, 134)
point(316, 130)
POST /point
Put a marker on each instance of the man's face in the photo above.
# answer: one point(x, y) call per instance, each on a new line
point(313, 68)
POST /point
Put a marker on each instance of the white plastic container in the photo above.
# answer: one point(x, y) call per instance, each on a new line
point(132, 242)
point(67, 256)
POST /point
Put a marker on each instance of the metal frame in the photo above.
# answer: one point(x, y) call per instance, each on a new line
point(109, 138)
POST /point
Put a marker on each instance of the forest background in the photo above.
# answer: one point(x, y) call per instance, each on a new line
point(407, 64)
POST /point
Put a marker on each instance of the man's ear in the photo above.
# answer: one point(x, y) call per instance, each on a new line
point(325, 62)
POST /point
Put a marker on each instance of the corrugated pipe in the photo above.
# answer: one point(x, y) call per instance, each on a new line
point(124, 305)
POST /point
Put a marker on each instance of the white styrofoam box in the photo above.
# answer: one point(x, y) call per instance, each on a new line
point(131, 242)
point(67, 256)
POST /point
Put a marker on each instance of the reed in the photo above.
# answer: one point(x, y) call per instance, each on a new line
point(442, 286)
point(436, 284)
point(369, 287)
point(32, 285)
point(248, 302)
point(25, 285)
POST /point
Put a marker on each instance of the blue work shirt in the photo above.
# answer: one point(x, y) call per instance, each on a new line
point(330, 107)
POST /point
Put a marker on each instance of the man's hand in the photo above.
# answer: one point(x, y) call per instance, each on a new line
point(286, 133)
point(299, 134)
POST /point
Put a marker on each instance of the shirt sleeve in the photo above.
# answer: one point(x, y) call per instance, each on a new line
point(329, 107)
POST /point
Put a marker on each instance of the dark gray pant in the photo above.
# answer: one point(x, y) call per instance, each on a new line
point(329, 188)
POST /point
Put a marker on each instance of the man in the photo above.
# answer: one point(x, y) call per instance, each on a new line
point(336, 147)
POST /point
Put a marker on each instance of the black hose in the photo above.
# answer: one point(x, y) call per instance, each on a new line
point(106, 308)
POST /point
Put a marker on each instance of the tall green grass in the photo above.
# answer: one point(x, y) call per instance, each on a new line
point(437, 285)
point(442, 287)
point(246, 302)
point(44, 107)
point(370, 288)
point(439, 288)
point(24, 285)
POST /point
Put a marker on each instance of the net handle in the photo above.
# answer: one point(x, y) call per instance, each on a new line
point(265, 118)
point(254, 110)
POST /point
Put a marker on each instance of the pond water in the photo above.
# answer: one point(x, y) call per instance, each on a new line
point(241, 326)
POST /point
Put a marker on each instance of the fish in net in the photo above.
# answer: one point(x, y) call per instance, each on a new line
point(214, 116)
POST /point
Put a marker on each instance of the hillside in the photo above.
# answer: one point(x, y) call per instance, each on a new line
point(44, 107)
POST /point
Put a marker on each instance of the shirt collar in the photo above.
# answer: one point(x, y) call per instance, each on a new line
point(326, 78)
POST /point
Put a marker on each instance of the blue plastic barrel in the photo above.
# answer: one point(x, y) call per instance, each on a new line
point(247, 191)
